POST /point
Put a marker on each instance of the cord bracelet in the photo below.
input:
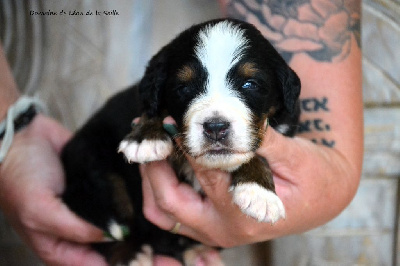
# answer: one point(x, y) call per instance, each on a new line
point(19, 115)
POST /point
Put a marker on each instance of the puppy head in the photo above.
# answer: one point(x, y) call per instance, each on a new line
point(220, 81)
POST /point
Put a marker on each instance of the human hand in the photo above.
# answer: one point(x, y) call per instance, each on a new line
point(31, 182)
point(314, 182)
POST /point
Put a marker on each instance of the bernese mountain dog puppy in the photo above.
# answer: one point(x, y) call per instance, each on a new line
point(223, 83)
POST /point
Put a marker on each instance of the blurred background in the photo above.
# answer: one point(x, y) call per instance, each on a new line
point(74, 63)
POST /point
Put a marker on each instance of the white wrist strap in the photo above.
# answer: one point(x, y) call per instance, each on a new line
point(15, 110)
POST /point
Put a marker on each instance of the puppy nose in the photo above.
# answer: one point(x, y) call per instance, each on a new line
point(216, 130)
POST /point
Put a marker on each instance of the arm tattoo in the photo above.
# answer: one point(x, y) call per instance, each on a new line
point(321, 28)
point(315, 106)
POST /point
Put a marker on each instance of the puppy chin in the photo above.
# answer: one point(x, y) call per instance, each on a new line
point(226, 162)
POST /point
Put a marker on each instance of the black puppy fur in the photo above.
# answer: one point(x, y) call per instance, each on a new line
point(98, 179)
point(104, 189)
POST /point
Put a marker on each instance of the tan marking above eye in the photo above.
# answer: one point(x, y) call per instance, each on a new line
point(186, 74)
point(271, 112)
point(248, 69)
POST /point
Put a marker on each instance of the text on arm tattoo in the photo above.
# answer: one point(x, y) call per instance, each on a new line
point(316, 106)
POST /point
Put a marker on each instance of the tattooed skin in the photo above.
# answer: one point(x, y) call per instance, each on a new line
point(314, 107)
point(321, 28)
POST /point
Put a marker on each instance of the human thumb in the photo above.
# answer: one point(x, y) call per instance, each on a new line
point(282, 152)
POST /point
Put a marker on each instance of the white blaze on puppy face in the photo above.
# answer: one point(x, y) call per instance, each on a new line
point(220, 47)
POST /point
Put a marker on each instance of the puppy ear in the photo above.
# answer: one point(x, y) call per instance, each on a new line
point(152, 85)
point(290, 87)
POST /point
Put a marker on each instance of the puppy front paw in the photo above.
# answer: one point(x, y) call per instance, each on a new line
point(143, 258)
point(148, 150)
point(260, 203)
point(116, 231)
point(202, 255)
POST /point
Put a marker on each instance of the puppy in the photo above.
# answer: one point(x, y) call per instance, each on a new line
point(224, 84)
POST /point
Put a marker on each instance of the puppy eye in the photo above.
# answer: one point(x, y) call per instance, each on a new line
point(183, 92)
point(250, 85)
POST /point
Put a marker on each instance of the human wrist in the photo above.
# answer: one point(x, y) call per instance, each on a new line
point(19, 115)
point(8, 87)
point(6, 101)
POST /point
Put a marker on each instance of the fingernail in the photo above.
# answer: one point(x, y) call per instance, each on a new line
point(171, 129)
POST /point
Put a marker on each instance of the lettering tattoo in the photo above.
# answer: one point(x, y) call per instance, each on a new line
point(323, 29)
point(314, 105)
point(310, 125)
point(313, 124)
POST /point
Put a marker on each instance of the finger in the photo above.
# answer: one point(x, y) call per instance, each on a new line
point(278, 151)
point(166, 201)
point(150, 208)
point(164, 260)
point(136, 120)
point(215, 183)
point(62, 222)
point(286, 158)
point(161, 194)
point(169, 120)
point(59, 252)
point(167, 190)
point(52, 131)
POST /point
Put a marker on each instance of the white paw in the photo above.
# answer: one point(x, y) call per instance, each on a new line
point(258, 202)
point(146, 151)
point(144, 258)
point(117, 231)
point(202, 255)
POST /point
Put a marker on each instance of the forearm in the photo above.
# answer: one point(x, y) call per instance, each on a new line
point(314, 182)
point(331, 98)
point(321, 43)
point(331, 103)
point(8, 88)
point(329, 173)
point(325, 159)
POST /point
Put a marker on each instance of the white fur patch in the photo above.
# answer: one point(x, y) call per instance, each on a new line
point(146, 151)
point(258, 202)
point(227, 163)
point(200, 255)
point(283, 129)
point(220, 47)
point(144, 258)
point(116, 230)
